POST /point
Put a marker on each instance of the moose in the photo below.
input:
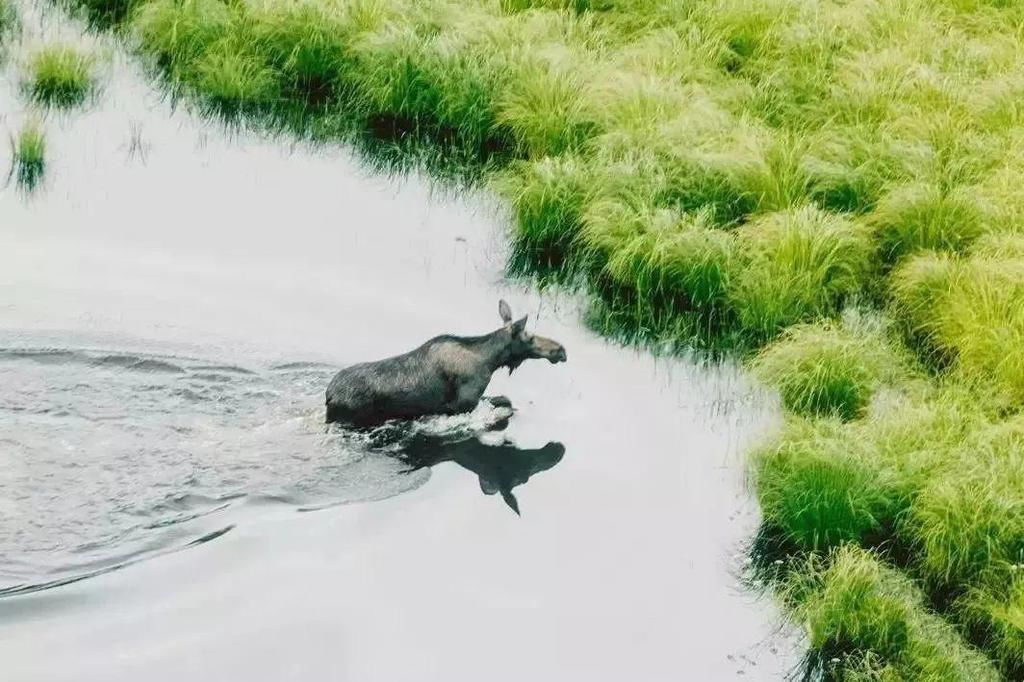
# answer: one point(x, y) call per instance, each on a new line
point(446, 375)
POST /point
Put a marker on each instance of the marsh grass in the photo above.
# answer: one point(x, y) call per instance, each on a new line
point(824, 369)
point(8, 21)
point(798, 265)
point(60, 75)
point(996, 617)
point(970, 310)
point(714, 173)
point(865, 619)
point(29, 155)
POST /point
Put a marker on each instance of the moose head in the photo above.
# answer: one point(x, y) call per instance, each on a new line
point(522, 345)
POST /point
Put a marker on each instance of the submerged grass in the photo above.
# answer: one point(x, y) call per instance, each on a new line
point(733, 175)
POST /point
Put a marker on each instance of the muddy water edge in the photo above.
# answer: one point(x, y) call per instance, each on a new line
point(173, 298)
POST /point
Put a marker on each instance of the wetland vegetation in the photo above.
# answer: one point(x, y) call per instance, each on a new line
point(29, 154)
point(829, 187)
point(59, 75)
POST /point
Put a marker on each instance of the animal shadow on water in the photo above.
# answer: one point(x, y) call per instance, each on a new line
point(499, 467)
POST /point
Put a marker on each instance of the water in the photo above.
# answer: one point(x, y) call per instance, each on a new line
point(174, 299)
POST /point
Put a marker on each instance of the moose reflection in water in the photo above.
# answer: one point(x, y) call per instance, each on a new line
point(500, 467)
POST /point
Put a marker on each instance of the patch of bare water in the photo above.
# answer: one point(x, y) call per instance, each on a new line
point(173, 300)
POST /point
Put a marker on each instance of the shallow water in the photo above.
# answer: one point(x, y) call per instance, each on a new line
point(174, 299)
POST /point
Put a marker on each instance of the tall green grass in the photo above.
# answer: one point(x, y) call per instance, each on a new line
point(831, 370)
point(29, 154)
point(971, 310)
point(7, 20)
point(800, 264)
point(732, 174)
point(60, 75)
point(867, 618)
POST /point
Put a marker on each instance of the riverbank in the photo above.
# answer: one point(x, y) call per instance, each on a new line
point(834, 183)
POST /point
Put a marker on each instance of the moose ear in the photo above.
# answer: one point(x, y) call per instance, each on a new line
point(519, 326)
point(504, 311)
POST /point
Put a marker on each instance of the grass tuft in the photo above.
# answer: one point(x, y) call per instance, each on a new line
point(231, 80)
point(798, 265)
point(924, 217)
point(970, 526)
point(548, 197)
point(827, 370)
point(996, 615)
point(971, 310)
point(820, 489)
point(60, 75)
point(855, 607)
point(29, 155)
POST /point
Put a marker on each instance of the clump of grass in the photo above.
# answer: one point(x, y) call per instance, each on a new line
point(29, 155)
point(545, 107)
point(823, 482)
point(819, 487)
point(548, 197)
point(823, 369)
point(307, 44)
point(996, 615)
point(918, 286)
point(178, 33)
point(673, 257)
point(971, 310)
point(925, 217)
point(232, 79)
point(60, 75)
point(798, 265)
point(856, 607)
point(970, 524)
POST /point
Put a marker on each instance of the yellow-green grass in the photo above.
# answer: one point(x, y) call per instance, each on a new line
point(866, 621)
point(798, 265)
point(59, 75)
point(971, 310)
point(7, 19)
point(996, 616)
point(931, 478)
point(29, 155)
point(824, 369)
point(716, 172)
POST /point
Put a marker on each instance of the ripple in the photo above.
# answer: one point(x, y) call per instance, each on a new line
point(109, 457)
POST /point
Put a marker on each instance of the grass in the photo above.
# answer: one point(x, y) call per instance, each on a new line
point(29, 155)
point(969, 309)
point(996, 615)
point(823, 369)
point(7, 19)
point(818, 488)
point(732, 175)
point(864, 616)
point(800, 264)
point(59, 75)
